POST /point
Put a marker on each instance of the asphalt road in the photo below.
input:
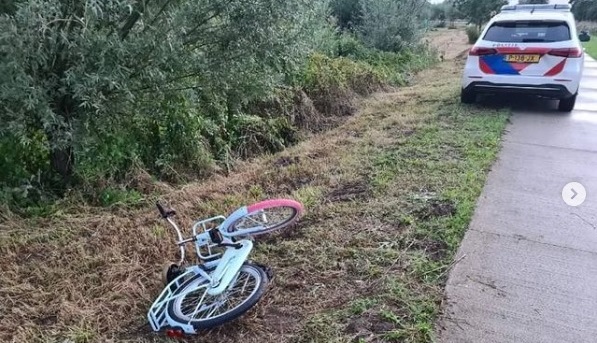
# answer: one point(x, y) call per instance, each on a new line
point(528, 263)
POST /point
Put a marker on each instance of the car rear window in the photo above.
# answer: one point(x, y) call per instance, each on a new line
point(528, 31)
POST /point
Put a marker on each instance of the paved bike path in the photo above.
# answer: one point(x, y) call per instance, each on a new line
point(529, 271)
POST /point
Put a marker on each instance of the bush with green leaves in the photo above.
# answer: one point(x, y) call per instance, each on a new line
point(445, 11)
point(347, 12)
point(97, 85)
point(585, 10)
point(94, 90)
point(479, 12)
point(473, 33)
point(391, 25)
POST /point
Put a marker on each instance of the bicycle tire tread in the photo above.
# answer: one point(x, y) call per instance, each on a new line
point(273, 203)
point(227, 317)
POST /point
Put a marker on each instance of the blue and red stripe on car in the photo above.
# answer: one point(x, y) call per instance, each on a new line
point(491, 60)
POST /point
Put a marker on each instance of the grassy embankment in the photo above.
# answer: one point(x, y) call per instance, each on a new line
point(591, 47)
point(389, 194)
point(591, 27)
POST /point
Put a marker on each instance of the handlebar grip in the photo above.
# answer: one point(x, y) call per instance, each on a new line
point(165, 214)
point(162, 211)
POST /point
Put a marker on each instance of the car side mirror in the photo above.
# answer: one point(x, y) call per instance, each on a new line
point(584, 37)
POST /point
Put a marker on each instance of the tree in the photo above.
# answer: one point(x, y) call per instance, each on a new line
point(9, 6)
point(479, 12)
point(438, 12)
point(445, 11)
point(585, 10)
point(390, 25)
point(348, 13)
point(81, 77)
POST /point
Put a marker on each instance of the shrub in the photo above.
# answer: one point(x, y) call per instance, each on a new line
point(331, 82)
point(585, 10)
point(98, 87)
point(479, 11)
point(347, 12)
point(395, 67)
point(391, 25)
point(350, 46)
point(472, 33)
point(256, 135)
point(108, 89)
point(589, 26)
point(323, 74)
point(22, 164)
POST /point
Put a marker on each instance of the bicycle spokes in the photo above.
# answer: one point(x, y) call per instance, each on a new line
point(224, 285)
point(198, 305)
point(265, 218)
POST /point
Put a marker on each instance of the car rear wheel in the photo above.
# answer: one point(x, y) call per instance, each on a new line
point(468, 97)
point(567, 105)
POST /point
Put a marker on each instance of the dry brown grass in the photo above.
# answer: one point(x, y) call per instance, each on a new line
point(449, 43)
point(345, 271)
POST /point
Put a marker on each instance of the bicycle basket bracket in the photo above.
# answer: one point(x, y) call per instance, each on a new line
point(206, 250)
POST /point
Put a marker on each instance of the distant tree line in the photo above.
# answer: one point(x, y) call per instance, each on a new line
point(585, 10)
point(446, 11)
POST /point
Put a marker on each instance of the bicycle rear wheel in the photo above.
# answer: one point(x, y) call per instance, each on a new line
point(191, 304)
point(266, 216)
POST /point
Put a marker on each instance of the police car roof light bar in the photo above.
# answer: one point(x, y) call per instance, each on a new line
point(533, 8)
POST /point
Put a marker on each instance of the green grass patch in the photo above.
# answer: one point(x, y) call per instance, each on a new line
point(591, 47)
point(425, 185)
point(392, 67)
point(115, 196)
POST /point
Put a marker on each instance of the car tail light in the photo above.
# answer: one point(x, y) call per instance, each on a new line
point(479, 51)
point(566, 52)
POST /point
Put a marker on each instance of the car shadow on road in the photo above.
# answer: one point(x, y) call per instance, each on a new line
point(521, 103)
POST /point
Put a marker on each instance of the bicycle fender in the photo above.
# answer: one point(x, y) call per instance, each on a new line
point(239, 213)
point(230, 263)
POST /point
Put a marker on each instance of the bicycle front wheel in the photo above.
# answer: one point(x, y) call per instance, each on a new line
point(266, 216)
point(192, 304)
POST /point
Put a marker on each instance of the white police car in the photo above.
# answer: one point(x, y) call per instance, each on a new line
point(527, 49)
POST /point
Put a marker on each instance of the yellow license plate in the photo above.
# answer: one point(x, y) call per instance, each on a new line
point(523, 58)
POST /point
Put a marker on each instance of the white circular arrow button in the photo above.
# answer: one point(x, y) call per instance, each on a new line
point(574, 194)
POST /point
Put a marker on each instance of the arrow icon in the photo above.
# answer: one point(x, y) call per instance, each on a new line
point(574, 194)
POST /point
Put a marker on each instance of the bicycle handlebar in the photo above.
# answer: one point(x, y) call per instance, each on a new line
point(214, 235)
point(161, 209)
point(165, 214)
